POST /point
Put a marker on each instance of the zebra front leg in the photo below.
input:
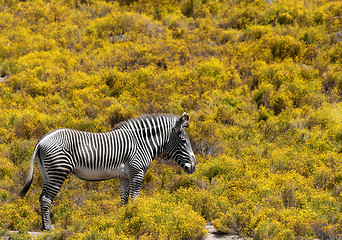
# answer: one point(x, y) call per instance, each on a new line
point(135, 185)
point(124, 187)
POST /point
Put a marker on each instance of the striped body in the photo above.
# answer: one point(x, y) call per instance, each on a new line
point(125, 152)
point(84, 151)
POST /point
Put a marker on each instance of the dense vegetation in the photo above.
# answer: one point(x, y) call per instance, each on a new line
point(261, 80)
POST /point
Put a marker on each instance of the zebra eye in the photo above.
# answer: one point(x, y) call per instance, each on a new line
point(183, 141)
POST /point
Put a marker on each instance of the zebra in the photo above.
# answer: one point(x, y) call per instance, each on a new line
point(125, 152)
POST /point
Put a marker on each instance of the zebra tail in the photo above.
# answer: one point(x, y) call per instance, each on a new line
point(30, 175)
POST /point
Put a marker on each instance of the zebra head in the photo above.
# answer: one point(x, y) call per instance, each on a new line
point(179, 146)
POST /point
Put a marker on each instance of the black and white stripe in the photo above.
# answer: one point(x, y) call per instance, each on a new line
point(125, 152)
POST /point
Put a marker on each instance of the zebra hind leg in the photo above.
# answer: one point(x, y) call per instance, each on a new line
point(45, 204)
point(48, 194)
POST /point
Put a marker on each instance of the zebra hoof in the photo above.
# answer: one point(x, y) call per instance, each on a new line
point(48, 227)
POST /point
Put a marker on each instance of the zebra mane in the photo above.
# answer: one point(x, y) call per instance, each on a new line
point(129, 123)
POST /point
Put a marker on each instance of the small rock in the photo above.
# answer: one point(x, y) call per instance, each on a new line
point(214, 234)
point(210, 228)
point(3, 79)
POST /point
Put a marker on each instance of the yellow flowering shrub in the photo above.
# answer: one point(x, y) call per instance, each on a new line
point(18, 215)
point(260, 79)
point(148, 217)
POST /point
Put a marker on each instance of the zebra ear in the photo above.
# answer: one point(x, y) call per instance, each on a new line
point(183, 121)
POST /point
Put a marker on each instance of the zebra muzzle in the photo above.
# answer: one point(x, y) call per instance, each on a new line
point(188, 168)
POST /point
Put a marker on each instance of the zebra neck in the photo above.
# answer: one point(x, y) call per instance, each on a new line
point(152, 132)
point(154, 141)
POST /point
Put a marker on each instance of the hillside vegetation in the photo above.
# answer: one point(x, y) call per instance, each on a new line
point(261, 80)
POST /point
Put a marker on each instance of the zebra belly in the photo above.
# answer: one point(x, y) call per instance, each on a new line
point(99, 174)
